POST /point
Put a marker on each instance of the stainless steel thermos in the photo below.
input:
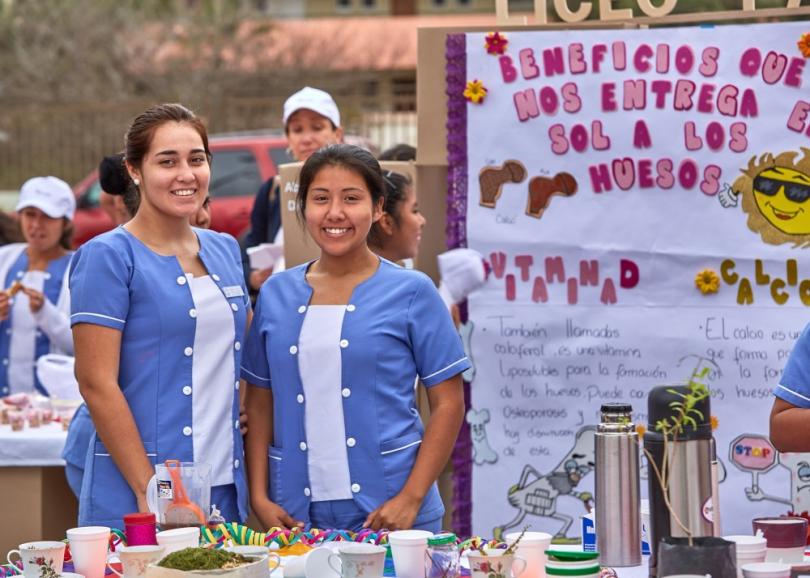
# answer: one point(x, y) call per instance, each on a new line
point(618, 502)
point(690, 471)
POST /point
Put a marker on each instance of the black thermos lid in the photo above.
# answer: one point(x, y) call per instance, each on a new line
point(616, 408)
point(658, 408)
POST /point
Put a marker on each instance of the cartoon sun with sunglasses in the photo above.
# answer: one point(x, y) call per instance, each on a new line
point(775, 191)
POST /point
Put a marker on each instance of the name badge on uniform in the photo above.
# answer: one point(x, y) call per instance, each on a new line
point(233, 291)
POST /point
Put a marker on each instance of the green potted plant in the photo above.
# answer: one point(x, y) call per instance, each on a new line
point(679, 448)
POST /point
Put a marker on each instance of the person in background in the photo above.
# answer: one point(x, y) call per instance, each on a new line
point(35, 305)
point(159, 312)
point(331, 359)
point(789, 424)
point(398, 232)
point(311, 121)
point(117, 185)
point(399, 152)
point(10, 231)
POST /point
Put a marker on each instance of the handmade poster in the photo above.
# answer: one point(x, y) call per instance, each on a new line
point(641, 197)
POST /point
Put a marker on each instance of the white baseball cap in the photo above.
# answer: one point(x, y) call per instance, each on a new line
point(315, 100)
point(52, 196)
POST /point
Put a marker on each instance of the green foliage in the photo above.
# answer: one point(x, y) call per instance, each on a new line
point(685, 412)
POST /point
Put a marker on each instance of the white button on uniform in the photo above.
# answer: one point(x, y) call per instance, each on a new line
point(47, 275)
point(351, 442)
point(302, 308)
point(181, 280)
point(188, 351)
point(345, 392)
point(192, 313)
point(8, 331)
point(303, 446)
point(293, 349)
point(307, 492)
point(5, 362)
point(350, 307)
point(355, 488)
point(19, 274)
point(5, 390)
point(236, 385)
point(234, 306)
point(344, 343)
point(236, 463)
point(237, 346)
point(300, 398)
point(187, 390)
point(215, 277)
point(236, 424)
point(187, 431)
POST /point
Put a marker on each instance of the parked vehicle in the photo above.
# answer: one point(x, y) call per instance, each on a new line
point(241, 163)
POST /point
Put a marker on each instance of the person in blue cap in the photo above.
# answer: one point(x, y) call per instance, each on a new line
point(159, 313)
point(35, 302)
point(331, 358)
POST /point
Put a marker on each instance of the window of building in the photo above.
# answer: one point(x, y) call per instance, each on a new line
point(369, 3)
point(343, 4)
point(439, 2)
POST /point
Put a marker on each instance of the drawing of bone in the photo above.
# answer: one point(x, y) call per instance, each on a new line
point(493, 178)
point(482, 451)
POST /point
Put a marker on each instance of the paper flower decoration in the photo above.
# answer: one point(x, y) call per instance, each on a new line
point(496, 43)
point(714, 422)
point(641, 429)
point(475, 91)
point(707, 281)
point(804, 44)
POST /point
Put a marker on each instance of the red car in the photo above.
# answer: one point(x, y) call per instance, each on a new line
point(241, 163)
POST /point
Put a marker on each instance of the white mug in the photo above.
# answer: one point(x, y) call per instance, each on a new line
point(35, 555)
point(313, 563)
point(135, 559)
point(496, 566)
point(358, 561)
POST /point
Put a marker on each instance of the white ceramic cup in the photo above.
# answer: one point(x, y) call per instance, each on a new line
point(358, 561)
point(532, 548)
point(313, 563)
point(135, 559)
point(35, 555)
point(179, 539)
point(88, 549)
point(408, 551)
point(766, 570)
point(496, 565)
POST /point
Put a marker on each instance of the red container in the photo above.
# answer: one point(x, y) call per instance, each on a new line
point(140, 529)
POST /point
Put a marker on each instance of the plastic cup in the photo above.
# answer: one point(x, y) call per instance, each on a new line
point(88, 548)
point(766, 570)
point(408, 549)
point(532, 548)
point(178, 539)
point(786, 536)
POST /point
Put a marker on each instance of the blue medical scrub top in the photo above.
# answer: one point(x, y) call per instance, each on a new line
point(118, 282)
point(794, 385)
point(54, 277)
point(395, 328)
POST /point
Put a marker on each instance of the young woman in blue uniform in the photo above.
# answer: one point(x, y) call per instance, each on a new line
point(34, 319)
point(159, 311)
point(331, 359)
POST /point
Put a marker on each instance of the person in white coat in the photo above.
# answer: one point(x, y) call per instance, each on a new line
point(35, 302)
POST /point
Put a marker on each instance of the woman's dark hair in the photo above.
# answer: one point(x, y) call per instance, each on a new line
point(396, 187)
point(142, 130)
point(10, 231)
point(349, 157)
point(399, 152)
point(66, 240)
point(114, 180)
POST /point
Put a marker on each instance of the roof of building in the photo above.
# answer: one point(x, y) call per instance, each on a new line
point(361, 43)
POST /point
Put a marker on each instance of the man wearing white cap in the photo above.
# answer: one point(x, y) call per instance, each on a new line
point(34, 302)
point(311, 121)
